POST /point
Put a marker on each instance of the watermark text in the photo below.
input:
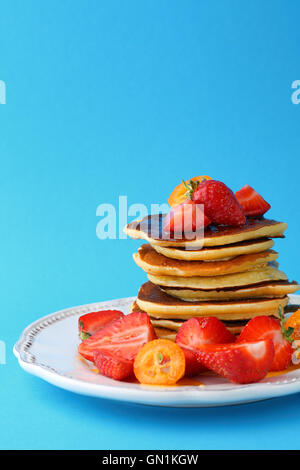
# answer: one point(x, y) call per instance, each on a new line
point(160, 222)
point(295, 97)
point(2, 92)
point(2, 353)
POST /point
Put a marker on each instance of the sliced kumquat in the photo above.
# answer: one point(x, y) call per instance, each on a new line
point(294, 322)
point(159, 362)
point(178, 195)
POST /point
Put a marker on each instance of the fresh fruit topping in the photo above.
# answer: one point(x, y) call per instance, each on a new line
point(293, 322)
point(192, 365)
point(291, 330)
point(122, 338)
point(159, 362)
point(178, 195)
point(296, 352)
point(90, 323)
point(253, 204)
point(112, 366)
point(196, 332)
point(185, 218)
point(220, 204)
point(239, 362)
point(264, 327)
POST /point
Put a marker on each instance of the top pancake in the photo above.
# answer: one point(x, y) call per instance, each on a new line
point(151, 229)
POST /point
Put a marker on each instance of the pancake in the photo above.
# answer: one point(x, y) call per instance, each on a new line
point(150, 228)
point(155, 263)
point(263, 290)
point(158, 304)
point(218, 253)
point(253, 276)
point(170, 327)
point(167, 323)
point(164, 333)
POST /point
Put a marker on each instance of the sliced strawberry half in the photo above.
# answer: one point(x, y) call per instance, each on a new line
point(122, 338)
point(196, 332)
point(192, 365)
point(253, 204)
point(90, 323)
point(112, 366)
point(264, 327)
point(239, 362)
point(186, 217)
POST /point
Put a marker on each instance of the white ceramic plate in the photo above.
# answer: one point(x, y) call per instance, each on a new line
point(48, 348)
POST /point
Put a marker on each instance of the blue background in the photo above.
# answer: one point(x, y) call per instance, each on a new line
point(109, 98)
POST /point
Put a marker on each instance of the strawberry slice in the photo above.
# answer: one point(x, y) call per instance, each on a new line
point(264, 327)
point(203, 330)
point(122, 338)
point(221, 205)
point(184, 218)
point(253, 204)
point(239, 362)
point(192, 365)
point(90, 323)
point(196, 332)
point(112, 366)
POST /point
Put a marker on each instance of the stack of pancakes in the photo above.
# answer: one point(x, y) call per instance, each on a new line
point(230, 273)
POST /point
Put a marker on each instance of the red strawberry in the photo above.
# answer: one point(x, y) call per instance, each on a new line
point(253, 204)
point(239, 362)
point(203, 330)
point(221, 205)
point(186, 217)
point(90, 323)
point(198, 331)
point(192, 365)
point(112, 366)
point(122, 338)
point(264, 327)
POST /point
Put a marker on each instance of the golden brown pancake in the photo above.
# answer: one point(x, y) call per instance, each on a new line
point(164, 327)
point(154, 263)
point(164, 333)
point(151, 229)
point(158, 304)
point(217, 253)
point(252, 276)
point(263, 290)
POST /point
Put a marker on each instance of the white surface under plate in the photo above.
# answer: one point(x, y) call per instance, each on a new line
point(48, 348)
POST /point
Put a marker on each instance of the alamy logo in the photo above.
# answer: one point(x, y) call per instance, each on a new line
point(296, 94)
point(2, 353)
point(2, 92)
point(114, 219)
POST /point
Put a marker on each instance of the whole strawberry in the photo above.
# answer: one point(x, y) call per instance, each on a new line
point(220, 204)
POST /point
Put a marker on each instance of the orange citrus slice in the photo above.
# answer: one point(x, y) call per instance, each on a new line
point(159, 362)
point(178, 195)
point(294, 322)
